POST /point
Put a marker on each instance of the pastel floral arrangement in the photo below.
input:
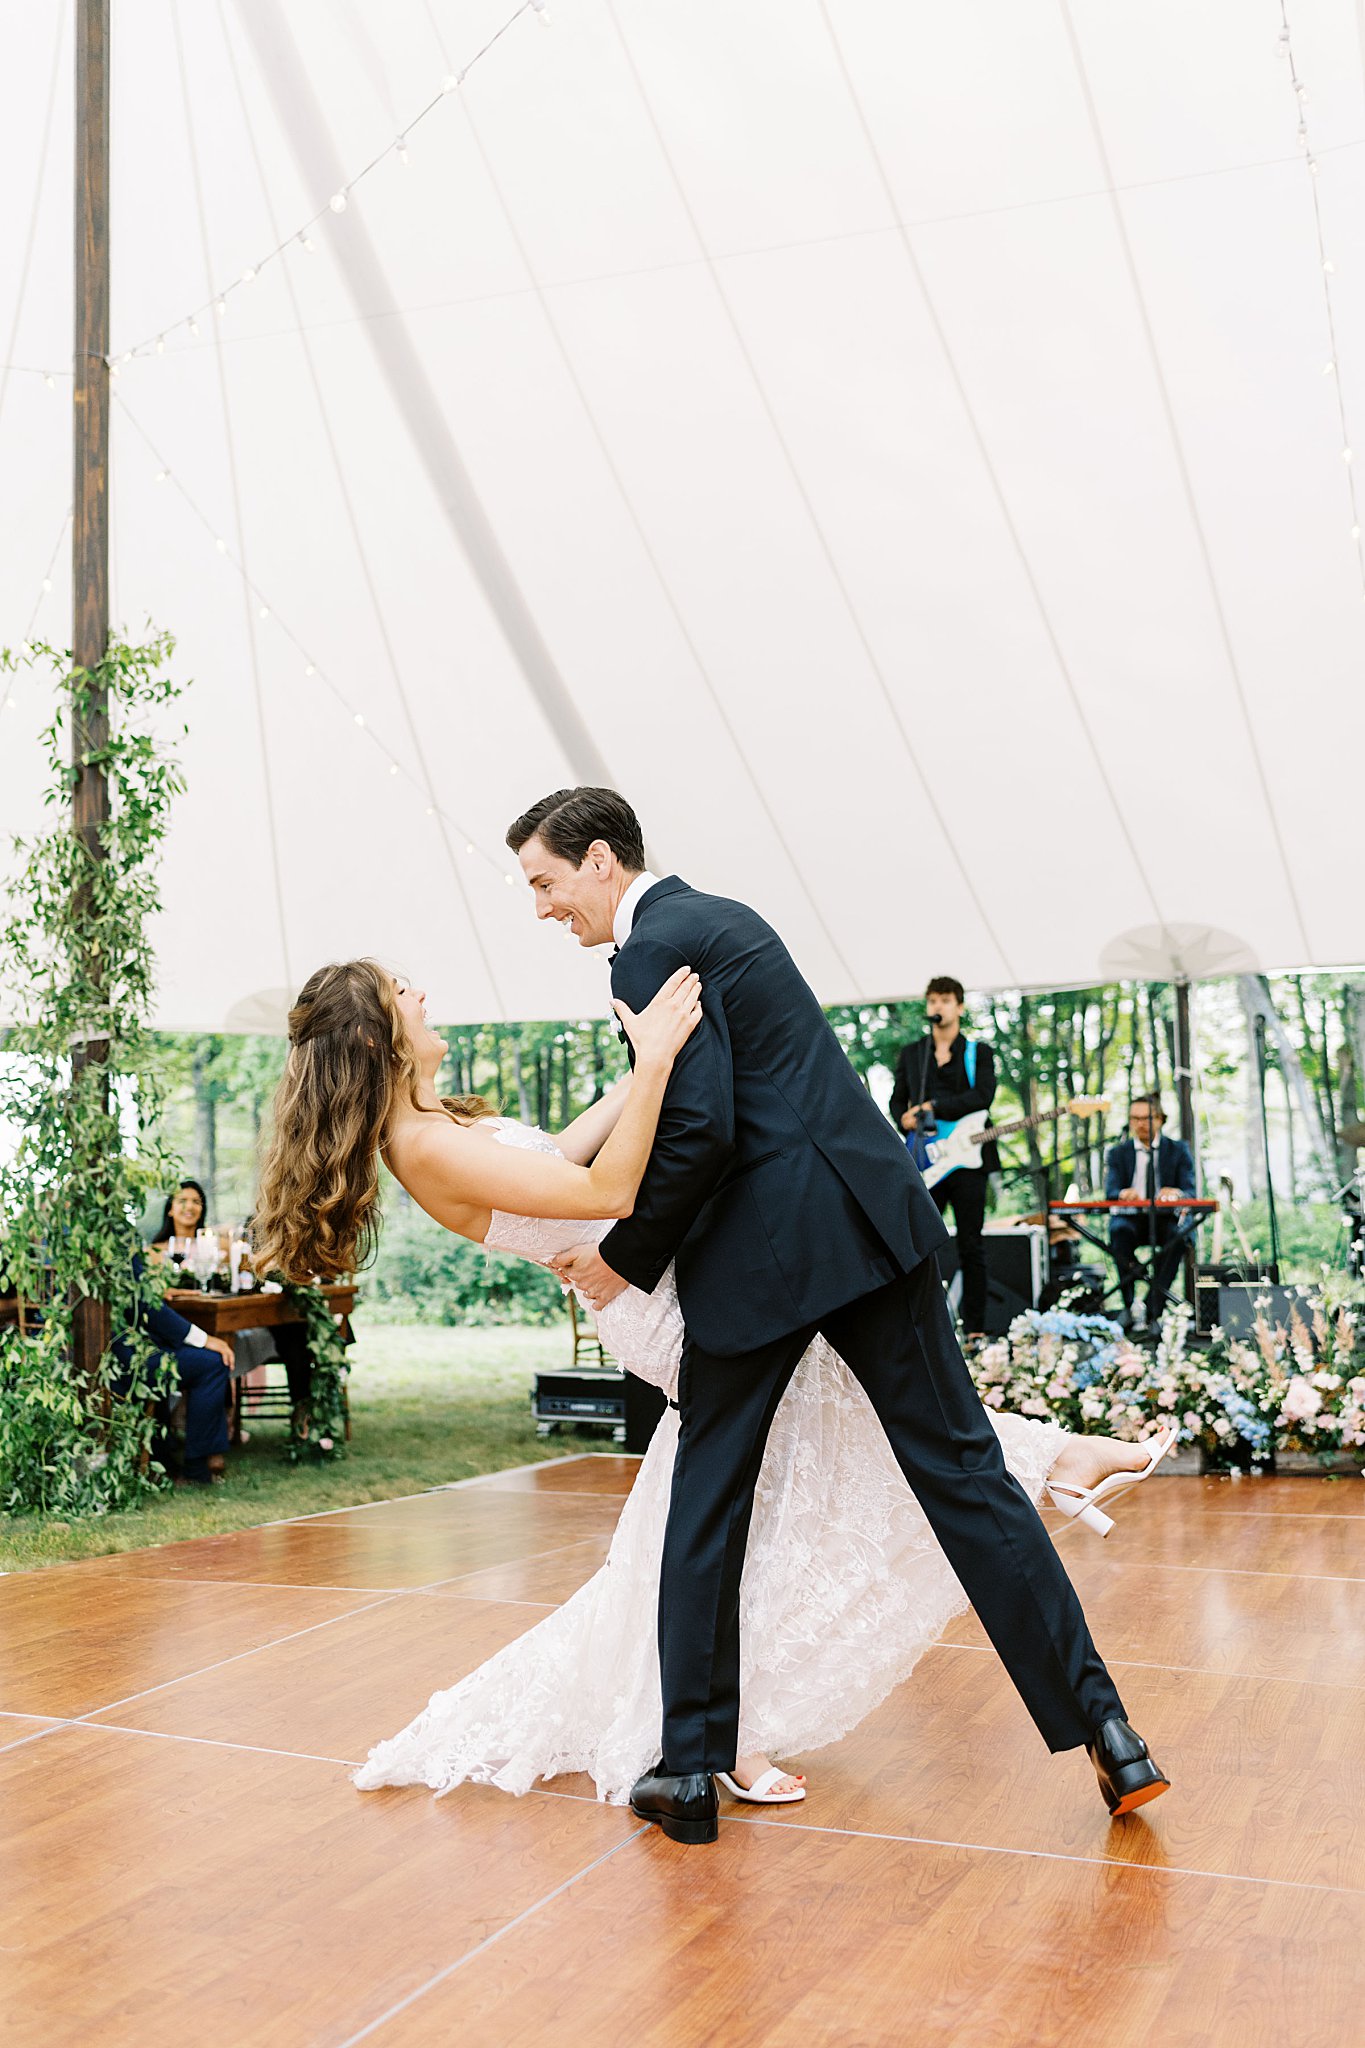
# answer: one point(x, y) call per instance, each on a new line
point(1298, 1386)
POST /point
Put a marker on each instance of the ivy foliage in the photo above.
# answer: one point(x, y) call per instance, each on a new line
point(78, 1084)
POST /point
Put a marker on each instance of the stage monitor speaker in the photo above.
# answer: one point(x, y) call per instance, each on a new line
point(1242, 1301)
point(586, 1395)
point(1014, 1273)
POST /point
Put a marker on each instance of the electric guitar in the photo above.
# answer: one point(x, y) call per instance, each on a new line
point(959, 1143)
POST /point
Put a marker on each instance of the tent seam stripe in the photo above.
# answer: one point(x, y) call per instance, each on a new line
point(1183, 469)
point(874, 666)
point(235, 489)
point(366, 570)
point(902, 229)
point(665, 588)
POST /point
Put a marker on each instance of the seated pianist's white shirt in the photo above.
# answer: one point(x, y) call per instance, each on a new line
point(1141, 1168)
point(623, 924)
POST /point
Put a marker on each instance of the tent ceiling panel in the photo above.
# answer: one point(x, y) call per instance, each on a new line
point(773, 409)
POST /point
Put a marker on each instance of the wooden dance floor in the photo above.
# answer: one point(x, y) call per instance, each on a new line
point(182, 1855)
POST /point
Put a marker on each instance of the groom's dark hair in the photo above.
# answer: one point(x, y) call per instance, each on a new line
point(568, 821)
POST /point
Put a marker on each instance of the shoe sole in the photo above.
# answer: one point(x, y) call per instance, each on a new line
point(692, 1833)
point(1141, 1796)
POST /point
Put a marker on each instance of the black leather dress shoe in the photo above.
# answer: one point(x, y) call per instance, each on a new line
point(685, 1808)
point(1128, 1777)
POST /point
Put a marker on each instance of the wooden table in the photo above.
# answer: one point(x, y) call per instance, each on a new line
point(222, 1315)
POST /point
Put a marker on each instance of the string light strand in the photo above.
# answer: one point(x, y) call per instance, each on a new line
point(1326, 271)
point(311, 667)
point(300, 238)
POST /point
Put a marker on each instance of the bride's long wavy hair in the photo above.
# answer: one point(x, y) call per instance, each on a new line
point(350, 1067)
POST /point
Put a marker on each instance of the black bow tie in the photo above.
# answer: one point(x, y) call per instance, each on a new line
point(613, 953)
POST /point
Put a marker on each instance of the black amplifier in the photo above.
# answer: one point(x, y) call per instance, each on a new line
point(1014, 1273)
point(597, 1398)
point(1233, 1306)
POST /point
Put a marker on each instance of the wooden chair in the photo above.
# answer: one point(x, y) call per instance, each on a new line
point(587, 1345)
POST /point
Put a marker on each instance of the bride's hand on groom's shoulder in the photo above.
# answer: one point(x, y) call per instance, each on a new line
point(663, 1027)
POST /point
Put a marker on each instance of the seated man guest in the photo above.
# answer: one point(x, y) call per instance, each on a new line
point(943, 1077)
point(1129, 1177)
point(203, 1367)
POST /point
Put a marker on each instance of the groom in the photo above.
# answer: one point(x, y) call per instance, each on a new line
point(788, 1206)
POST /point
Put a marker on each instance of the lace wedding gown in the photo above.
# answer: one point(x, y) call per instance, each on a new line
point(844, 1585)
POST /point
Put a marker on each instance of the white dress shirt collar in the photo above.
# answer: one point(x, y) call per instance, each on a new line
point(624, 921)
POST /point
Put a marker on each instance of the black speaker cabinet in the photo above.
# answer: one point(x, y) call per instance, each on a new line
point(1014, 1273)
point(1241, 1301)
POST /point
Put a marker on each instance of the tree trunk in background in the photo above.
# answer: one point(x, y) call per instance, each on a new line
point(599, 1063)
point(543, 1087)
point(1027, 1091)
point(206, 1122)
point(1258, 1001)
point(519, 1078)
point(1289, 1137)
point(1348, 1091)
point(1251, 1114)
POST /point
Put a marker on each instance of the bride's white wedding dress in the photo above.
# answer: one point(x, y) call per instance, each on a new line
point(844, 1585)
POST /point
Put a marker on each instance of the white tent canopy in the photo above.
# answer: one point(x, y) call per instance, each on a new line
point(891, 442)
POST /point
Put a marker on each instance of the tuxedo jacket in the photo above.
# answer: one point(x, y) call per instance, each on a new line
point(776, 1185)
point(1174, 1169)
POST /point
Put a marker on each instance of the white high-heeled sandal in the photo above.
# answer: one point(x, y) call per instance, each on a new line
point(1084, 1506)
point(761, 1792)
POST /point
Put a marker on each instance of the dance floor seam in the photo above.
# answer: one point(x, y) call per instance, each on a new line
point(754, 1820)
point(480, 1948)
point(238, 1656)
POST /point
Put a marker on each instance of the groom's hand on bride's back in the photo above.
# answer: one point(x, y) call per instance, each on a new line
point(584, 1268)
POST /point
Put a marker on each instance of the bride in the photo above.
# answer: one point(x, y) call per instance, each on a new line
point(844, 1585)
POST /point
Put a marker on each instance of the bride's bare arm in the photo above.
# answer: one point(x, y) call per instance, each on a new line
point(451, 1167)
point(584, 1138)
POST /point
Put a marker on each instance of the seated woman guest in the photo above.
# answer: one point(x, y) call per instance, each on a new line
point(185, 1211)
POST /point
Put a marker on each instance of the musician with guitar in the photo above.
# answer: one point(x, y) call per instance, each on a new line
point(941, 1079)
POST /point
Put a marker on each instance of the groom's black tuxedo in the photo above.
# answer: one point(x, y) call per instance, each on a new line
point(790, 1207)
point(775, 1182)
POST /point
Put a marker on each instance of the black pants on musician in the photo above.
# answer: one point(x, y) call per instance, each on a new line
point(1128, 1236)
point(964, 1192)
point(899, 1344)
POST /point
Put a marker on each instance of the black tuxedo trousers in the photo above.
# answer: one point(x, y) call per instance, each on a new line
point(899, 1344)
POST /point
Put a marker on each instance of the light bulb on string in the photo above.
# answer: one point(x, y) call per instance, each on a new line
point(401, 151)
point(1346, 455)
point(1330, 369)
point(1329, 268)
point(194, 327)
point(163, 476)
point(451, 82)
point(221, 546)
point(1282, 42)
point(393, 767)
point(220, 306)
point(431, 810)
point(50, 381)
point(359, 718)
point(1302, 132)
point(1355, 533)
point(306, 242)
point(161, 344)
point(469, 847)
point(1313, 166)
point(309, 670)
point(337, 202)
point(47, 585)
point(265, 611)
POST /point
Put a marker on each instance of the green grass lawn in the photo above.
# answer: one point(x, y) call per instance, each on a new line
point(427, 1405)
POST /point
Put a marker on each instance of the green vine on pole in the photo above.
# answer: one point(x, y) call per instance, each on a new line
point(77, 967)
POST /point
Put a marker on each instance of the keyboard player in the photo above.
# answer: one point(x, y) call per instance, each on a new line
point(1144, 1166)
